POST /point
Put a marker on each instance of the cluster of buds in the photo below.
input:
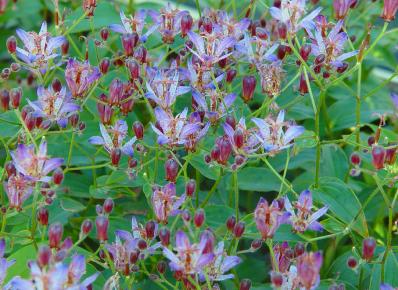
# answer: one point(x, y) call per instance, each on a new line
point(10, 99)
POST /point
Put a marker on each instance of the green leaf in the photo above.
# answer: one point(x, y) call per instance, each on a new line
point(21, 256)
point(71, 205)
point(342, 202)
point(257, 179)
point(198, 162)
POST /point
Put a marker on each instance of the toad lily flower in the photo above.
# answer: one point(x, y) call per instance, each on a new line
point(228, 26)
point(276, 135)
point(174, 131)
point(221, 264)
point(164, 88)
point(190, 258)
point(308, 268)
point(39, 48)
point(331, 46)
point(80, 76)
point(4, 264)
point(165, 202)
point(291, 13)
point(34, 166)
point(113, 137)
point(18, 189)
point(211, 49)
point(55, 276)
point(219, 104)
point(269, 217)
point(304, 218)
point(54, 106)
point(243, 140)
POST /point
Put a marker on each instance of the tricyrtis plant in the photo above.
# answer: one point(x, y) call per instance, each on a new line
point(221, 145)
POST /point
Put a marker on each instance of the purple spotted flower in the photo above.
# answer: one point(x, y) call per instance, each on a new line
point(211, 49)
point(35, 166)
point(176, 130)
point(4, 264)
point(168, 22)
point(18, 189)
point(220, 265)
point(308, 268)
point(38, 49)
point(189, 258)
point(331, 46)
point(257, 50)
point(283, 256)
point(214, 104)
point(242, 139)
point(133, 24)
point(57, 275)
point(165, 202)
point(163, 88)
point(54, 106)
point(269, 217)
point(301, 215)
point(226, 25)
point(80, 76)
point(292, 14)
point(276, 135)
point(113, 138)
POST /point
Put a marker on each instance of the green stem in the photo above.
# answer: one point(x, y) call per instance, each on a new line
point(236, 190)
point(358, 105)
point(212, 190)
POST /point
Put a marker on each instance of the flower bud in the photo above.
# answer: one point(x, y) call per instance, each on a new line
point(58, 176)
point(371, 140)
point(15, 67)
point(239, 138)
point(190, 187)
point(378, 157)
point(389, 10)
point(206, 24)
point(164, 236)
point(30, 121)
point(276, 279)
point(320, 59)
point(299, 249)
point(142, 244)
point(161, 267)
point(104, 33)
point(342, 68)
point(231, 222)
point(231, 74)
point(86, 227)
point(150, 228)
point(134, 255)
point(56, 85)
point(391, 155)
point(43, 256)
point(186, 216)
point(256, 244)
point(15, 97)
point(5, 99)
point(368, 248)
point(134, 69)
point(303, 88)
point(102, 224)
point(65, 47)
point(10, 169)
point(282, 51)
point(282, 30)
point(355, 159)
point(248, 88)
point(108, 205)
point(55, 232)
point(11, 44)
point(138, 129)
point(305, 51)
point(140, 54)
point(129, 41)
point(116, 154)
point(186, 24)
point(199, 218)
point(245, 284)
point(171, 167)
point(352, 262)
point(104, 65)
point(42, 216)
point(239, 229)
point(230, 120)
point(225, 151)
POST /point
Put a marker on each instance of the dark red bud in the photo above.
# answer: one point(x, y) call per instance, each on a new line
point(186, 216)
point(30, 121)
point(134, 255)
point(299, 249)
point(108, 205)
point(256, 244)
point(303, 88)
point(171, 167)
point(231, 222)
point(320, 59)
point(282, 30)
point(5, 99)
point(207, 24)
point(245, 284)
point(231, 74)
point(104, 65)
point(150, 228)
point(15, 67)
point(378, 157)
point(43, 256)
point(342, 68)
point(134, 68)
point(352, 262)
point(371, 140)
point(230, 120)
point(42, 216)
point(391, 155)
point(186, 24)
point(140, 54)
point(58, 176)
point(132, 163)
point(190, 187)
point(65, 47)
point(161, 267)
point(142, 245)
point(282, 51)
point(239, 229)
point(138, 129)
point(74, 120)
point(355, 158)
point(116, 154)
point(276, 279)
point(86, 227)
point(102, 224)
point(129, 41)
point(56, 85)
point(104, 33)
point(11, 44)
point(248, 88)
point(239, 138)
point(199, 218)
point(10, 168)
point(368, 248)
point(164, 236)
point(305, 51)
point(55, 232)
point(15, 97)
point(225, 151)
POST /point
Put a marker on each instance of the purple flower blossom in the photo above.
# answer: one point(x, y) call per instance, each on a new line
point(189, 258)
point(331, 46)
point(133, 24)
point(80, 76)
point(276, 135)
point(113, 137)
point(269, 217)
point(283, 256)
point(165, 202)
point(54, 106)
point(164, 87)
point(34, 166)
point(4, 264)
point(292, 14)
point(257, 50)
point(18, 189)
point(308, 267)
point(38, 49)
point(243, 140)
point(303, 218)
point(219, 103)
point(210, 50)
point(226, 25)
point(178, 130)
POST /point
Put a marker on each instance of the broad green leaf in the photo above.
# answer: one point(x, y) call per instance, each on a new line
point(257, 179)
